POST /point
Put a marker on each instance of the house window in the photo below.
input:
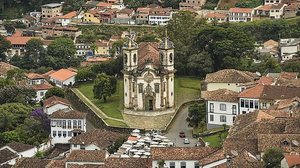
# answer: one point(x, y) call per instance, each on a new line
point(223, 107)
point(69, 133)
point(140, 88)
point(59, 133)
point(69, 124)
point(256, 104)
point(64, 124)
point(196, 165)
point(211, 107)
point(54, 133)
point(264, 105)
point(242, 103)
point(64, 133)
point(182, 164)
point(222, 118)
point(156, 87)
point(79, 124)
point(75, 124)
point(247, 103)
point(234, 109)
point(211, 117)
point(41, 93)
point(172, 164)
point(251, 103)
point(233, 119)
point(75, 145)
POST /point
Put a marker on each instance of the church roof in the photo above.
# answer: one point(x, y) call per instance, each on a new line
point(148, 52)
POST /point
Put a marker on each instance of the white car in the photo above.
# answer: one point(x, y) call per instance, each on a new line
point(186, 141)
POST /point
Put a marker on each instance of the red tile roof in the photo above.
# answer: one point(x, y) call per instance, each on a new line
point(87, 156)
point(98, 59)
point(240, 10)
point(103, 4)
point(62, 74)
point(223, 95)
point(44, 86)
point(32, 75)
point(230, 76)
point(148, 51)
point(19, 147)
point(68, 115)
point(69, 15)
point(292, 159)
point(51, 101)
point(18, 40)
point(5, 67)
point(216, 15)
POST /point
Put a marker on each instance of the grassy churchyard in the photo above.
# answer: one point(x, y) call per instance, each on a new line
point(186, 89)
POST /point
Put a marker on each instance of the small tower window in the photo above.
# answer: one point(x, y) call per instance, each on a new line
point(171, 57)
point(134, 58)
point(161, 57)
point(125, 58)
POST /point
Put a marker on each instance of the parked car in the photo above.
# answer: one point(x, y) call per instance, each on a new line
point(186, 141)
point(181, 134)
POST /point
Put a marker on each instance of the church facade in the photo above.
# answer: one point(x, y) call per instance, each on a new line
point(149, 76)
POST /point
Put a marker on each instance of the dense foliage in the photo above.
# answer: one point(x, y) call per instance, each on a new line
point(55, 91)
point(104, 86)
point(196, 114)
point(16, 94)
point(4, 45)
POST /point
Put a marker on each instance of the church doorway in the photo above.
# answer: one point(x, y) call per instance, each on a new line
point(149, 103)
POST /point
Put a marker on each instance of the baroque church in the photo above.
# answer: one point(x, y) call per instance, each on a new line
point(149, 76)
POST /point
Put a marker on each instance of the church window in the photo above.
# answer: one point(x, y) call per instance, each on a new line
point(125, 58)
point(156, 87)
point(164, 86)
point(161, 57)
point(134, 58)
point(133, 88)
point(171, 57)
point(140, 88)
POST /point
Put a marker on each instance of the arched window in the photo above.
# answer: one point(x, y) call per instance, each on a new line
point(134, 58)
point(171, 57)
point(125, 58)
point(161, 57)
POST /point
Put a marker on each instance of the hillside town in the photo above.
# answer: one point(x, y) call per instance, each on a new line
point(150, 84)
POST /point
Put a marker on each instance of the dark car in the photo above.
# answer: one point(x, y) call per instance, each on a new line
point(181, 134)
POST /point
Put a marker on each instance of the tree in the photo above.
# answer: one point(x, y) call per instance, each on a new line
point(61, 54)
point(85, 74)
point(196, 114)
point(291, 66)
point(55, 91)
point(16, 74)
point(4, 45)
point(147, 38)
point(35, 55)
point(272, 158)
point(42, 117)
point(200, 64)
point(104, 86)
point(16, 94)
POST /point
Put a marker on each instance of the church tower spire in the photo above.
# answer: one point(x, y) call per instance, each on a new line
point(166, 52)
point(130, 53)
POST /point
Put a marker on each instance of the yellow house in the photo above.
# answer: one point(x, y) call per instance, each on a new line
point(102, 48)
point(91, 17)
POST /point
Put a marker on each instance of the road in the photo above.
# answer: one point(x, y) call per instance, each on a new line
point(178, 125)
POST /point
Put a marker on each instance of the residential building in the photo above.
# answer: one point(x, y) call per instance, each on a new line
point(124, 16)
point(150, 90)
point(54, 103)
point(22, 150)
point(221, 107)
point(7, 157)
point(185, 157)
point(91, 141)
point(66, 19)
point(91, 16)
point(84, 157)
point(29, 20)
point(291, 10)
point(290, 161)
point(94, 60)
point(240, 14)
point(230, 79)
point(216, 17)
point(65, 125)
point(103, 5)
point(3, 31)
point(272, 2)
point(18, 45)
point(277, 11)
point(39, 84)
point(63, 77)
point(264, 96)
point(4, 68)
point(83, 49)
point(288, 48)
point(142, 14)
point(102, 48)
point(191, 4)
point(58, 31)
point(159, 16)
point(51, 10)
point(269, 47)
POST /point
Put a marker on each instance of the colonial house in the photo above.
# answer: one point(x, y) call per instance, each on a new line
point(186, 157)
point(291, 10)
point(54, 103)
point(4, 68)
point(288, 48)
point(264, 96)
point(149, 76)
point(86, 157)
point(191, 4)
point(22, 150)
point(91, 16)
point(221, 107)
point(230, 79)
point(240, 14)
point(39, 84)
point(58, 31)
point(18, 45)
point(63, 77)
point(83, 49)
point(65, 125)
point(142, 14)
point(269, 47)
point(102, 48)
point(124, 16)
point(66, 19)
point(159, 16)
point(97, 139)
point(216, 17)
point(51, 10)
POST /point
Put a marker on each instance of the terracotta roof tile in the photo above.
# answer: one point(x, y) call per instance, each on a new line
point(6, 155)
point(126, 11)
point(5, 67)
point(18, 40)
point(216, 15)
point(51, 101)
point(214, 157)
point(68, 115)
point(289, 75)
point(230, 76)
point(62, 74)
point(87, 156)
point(32, 75)
point(254, 92)
point(241, 10)
point(69, 15)
point(267, 141)
point(19, 147)
point(292, 159)
point(181, 153)
point(44, 86)
point(148, 51)
point(103, 4)
point(31, 162)
point(223, 95)
point(127, 163)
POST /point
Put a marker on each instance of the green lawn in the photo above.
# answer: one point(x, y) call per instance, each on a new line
point(186, 89)
point(114, 104)
point(214, 140)
point(115, 123)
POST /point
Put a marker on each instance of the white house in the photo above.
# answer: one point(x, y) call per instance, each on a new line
point(289, 48)
point(23, 150)
point(240, 14)
point(184, 157)
point(83, 49)
point(272, 2)
point(65, 125)
point(65, 19)
point(277, 11)
point(159, 16)
point(39, 84)
point(54, 103)
point(221, 107)
point(230, 79)
point(63, 77)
